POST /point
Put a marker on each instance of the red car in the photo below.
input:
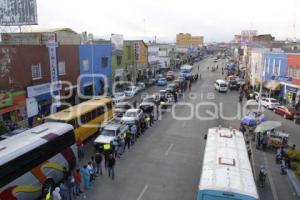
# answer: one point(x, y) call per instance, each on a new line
point(286, 112)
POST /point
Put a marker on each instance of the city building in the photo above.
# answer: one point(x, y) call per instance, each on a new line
point(153, 58)
point(64, 36)
point(292, 87)
point(263, 38)
point(95, 70)
point(128, 61)
point(26, 79)
point(186, 39)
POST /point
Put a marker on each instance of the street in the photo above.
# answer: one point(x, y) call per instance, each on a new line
point(165, 163)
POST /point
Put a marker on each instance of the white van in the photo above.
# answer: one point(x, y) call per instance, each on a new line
point(221, 86)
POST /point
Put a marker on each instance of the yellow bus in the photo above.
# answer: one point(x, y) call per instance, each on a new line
point(85, 117)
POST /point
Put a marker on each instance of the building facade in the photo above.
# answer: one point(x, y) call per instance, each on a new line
point(25, 69)
point(186, 39)
point(95, 70)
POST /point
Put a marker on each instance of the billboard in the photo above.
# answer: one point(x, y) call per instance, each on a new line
point(18, 12)
point(117, 42)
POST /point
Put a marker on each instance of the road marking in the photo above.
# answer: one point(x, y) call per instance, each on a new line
point(143, 192)
point(273, 189)
point(169, 149)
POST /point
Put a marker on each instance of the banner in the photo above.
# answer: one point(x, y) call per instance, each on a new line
point(5, 99)
point(117, 42)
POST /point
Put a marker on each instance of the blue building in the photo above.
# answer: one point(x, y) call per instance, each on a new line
point(95, 69)
point(275, 66)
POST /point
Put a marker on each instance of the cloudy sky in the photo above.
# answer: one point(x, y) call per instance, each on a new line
point(216, 20)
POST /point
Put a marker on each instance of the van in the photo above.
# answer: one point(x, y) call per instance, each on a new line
point(221, 86)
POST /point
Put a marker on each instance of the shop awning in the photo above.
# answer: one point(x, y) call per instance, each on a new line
point(272, 85)
point(9, 109)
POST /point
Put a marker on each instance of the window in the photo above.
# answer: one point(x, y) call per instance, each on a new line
point(88, 117)
point(62, 68)
point(36, 71)
point(104, 61)
point(119, 60)
point(100, 111)
point(85, 65)
point(94, 114)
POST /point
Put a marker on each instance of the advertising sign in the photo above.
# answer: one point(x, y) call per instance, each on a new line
point(117, 42)
point(18, 12)
point(32, 107)
point(5, 99)
point(36, 90)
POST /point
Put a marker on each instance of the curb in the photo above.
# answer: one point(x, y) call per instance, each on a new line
point(295, 183)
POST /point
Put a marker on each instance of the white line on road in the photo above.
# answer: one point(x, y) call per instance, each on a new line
point(143, 192)
point(273, 189)
point(169, 149)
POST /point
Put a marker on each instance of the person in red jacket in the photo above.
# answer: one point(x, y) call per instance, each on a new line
point(78, 180)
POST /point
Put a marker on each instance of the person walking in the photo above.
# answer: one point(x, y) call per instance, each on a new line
point(190, 86)
point(70, 186)
point(56, 194)
point(91, 171)
point(127, 140)
point(94, 164)
point(86, 177)
point(133, 131)
point(175, 96)
point(98, 160)
point(111, 165)
point(63, 190)
point(78, 180)
point(80, 150)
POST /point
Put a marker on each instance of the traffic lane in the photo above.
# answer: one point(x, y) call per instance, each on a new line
point(131, 179)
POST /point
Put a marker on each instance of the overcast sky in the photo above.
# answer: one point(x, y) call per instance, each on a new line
point(216, 20)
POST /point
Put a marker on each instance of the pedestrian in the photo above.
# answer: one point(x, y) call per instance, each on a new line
point(190, 86)
point(94, 165)
point(151, 118)
point(106, 152)
point(127, 140)
point(242, 128)
point(111, 165)
point(80, 150)
point(133, 131)
point(91, 171)
point(175, 96)
point(56, 194)
point(115, 144)
point(121, 145)
point(78, 180)
point(86, 177)
point(65, 174)
point(264, 141)
point(258, 140)
point(70, 186)
point(63, 190)
point(98, 160)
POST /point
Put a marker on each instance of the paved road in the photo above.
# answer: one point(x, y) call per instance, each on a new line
point(165, 163)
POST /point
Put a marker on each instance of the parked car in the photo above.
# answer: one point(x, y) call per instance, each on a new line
point(233, 85)
point(131, 116)
point(285, 111)
point(170, 76)
point(270, 103)
point(118, 97)
point(121, 108)
point(140, 86)
point(110, 131)
point(162, 82)
point(221, 86)
point(173, 87)
point(130, 91)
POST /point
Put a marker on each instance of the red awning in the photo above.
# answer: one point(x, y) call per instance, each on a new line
point(9, 109)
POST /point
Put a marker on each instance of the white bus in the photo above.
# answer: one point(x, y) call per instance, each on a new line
point(226, 171)
point(32, 162)
point(186, 71)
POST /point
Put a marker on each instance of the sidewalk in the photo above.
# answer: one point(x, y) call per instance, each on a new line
point(277, 186)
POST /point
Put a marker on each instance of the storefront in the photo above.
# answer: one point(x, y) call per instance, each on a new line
point(40, 97)
point(291, 93)
point(13, 107)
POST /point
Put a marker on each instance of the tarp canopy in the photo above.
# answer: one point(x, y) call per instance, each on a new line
point(272, 85)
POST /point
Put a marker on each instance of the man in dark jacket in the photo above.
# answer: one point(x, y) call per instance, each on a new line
point(110, 165)
point(98, 160)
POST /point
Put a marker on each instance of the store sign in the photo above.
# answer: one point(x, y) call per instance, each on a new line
point(32, 107)
point(282, 78)
point(37, 90)
point(52, 45)
point(5, 99)
point(291, 89)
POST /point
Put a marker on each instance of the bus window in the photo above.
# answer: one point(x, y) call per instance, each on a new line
point(109, 106)
point(82, 119)
point(94, 114)
point(88, 116)
point(73, 122)
point(100, 111)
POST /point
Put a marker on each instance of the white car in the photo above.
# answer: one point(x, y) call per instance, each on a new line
point(131, 91)
point(270, 103)
point(221, 86)
point(140, 86)
point(132, 115)
point(118, 97)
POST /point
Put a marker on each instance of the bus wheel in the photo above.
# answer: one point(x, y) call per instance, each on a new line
point(48, 186)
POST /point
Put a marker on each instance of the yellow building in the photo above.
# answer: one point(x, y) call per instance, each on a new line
point(186, 39)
